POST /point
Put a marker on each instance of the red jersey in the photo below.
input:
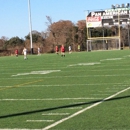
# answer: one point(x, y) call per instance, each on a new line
point(62, 49)
point(57, 48)
point(16, 51)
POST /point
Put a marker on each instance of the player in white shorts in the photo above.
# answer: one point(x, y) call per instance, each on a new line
point(25, 53)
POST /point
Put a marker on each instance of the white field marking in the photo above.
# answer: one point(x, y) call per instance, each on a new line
point(85, 109)
point(94, 63)
point(37, 72)
point(48, 99)
point(127, 56)
point(110, 75)
point(18, 129)
point(74, 85)
point(74, 108)
point(110, 91)
point(110, 69)
point(116, 75)
point(115, 84)
point(56, 114)
point(122, 85)
point(77, 102)
point(114, 88)
point(39, 120)
point(112, 59)
point(87, 70)
point(4, 86)
point(101, 94)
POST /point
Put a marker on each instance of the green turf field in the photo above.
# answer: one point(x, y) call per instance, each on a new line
point(81, 91)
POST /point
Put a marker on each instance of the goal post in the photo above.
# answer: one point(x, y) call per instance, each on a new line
point(103, 44)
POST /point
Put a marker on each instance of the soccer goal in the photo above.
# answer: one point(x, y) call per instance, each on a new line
point(103, 44)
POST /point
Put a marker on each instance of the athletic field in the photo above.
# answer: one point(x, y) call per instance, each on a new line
point(81, 91)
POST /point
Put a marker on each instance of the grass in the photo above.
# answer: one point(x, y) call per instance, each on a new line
point(42, 90)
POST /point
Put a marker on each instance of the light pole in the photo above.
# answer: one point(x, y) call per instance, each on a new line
point(30, 25)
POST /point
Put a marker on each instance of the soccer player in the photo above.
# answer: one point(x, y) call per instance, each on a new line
point(70, 49)
point(62, 51)
point(39, 51)
point(78, 47)
point(16, 52)
point(25, 53)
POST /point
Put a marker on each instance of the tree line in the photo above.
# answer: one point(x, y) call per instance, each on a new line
point(62, 32)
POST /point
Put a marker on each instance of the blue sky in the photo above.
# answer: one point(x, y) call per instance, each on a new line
point(14, 17)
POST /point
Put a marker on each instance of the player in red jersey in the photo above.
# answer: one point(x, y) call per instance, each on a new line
point(16, 52)
point(62, 51)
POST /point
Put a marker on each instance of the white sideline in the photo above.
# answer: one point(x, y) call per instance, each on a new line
point(83, 110)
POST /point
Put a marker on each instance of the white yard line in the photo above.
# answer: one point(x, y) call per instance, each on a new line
point(39, 120)
point(101, 94)
point(48, 99)
point(76, 84)
point(110, 75)
point(122, 84)
point(37, 72)
point(112, 59)
point(74, 108)
point(4, 86)
point(18, 129)
point(83, 110)
point(55, 114)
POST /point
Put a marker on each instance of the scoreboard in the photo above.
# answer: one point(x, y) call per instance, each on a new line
point(109, 17)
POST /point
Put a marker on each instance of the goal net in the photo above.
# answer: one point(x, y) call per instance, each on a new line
point(103, 44)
